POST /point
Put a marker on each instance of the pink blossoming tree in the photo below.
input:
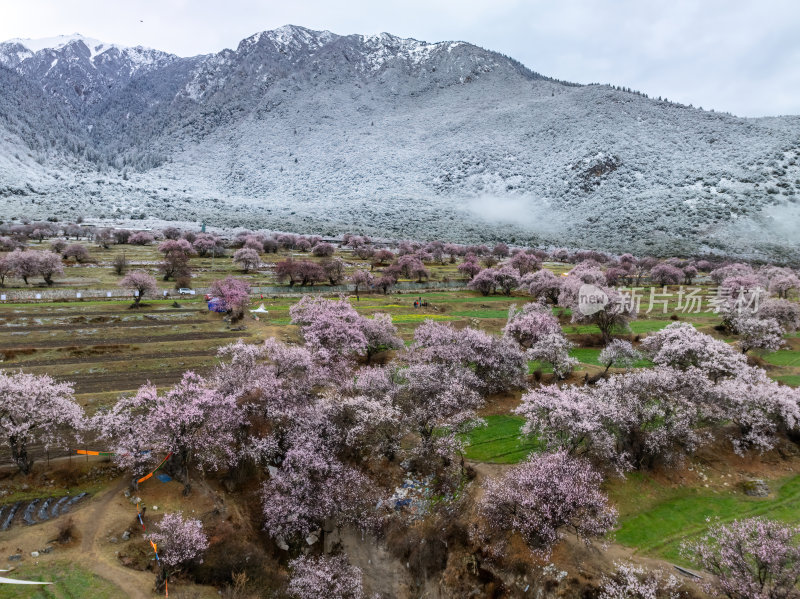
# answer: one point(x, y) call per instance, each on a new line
point(544, 284)
point(333, 330)
point(483, 282)
point(751, 559)
point(666, 274)
point(543, 498)
point(498, 363)
point(247, 259)
point(630, 581)
point(329, 576)
point(36, 410)
point(141, 283)
point(536, 330)
point(234, 294)
point(361, 279)
point(758, 333)
point(192, 421)
point(310, 487)
point(438, 403)
point(179, 542)
point(619, 354)
point(682, 346)
point(785, 312)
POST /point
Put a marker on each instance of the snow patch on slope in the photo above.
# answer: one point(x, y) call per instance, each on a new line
point(57, 42)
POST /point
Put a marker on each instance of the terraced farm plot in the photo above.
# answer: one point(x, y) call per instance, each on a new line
point(784, 364)
point(106, 348)
point(657, 519)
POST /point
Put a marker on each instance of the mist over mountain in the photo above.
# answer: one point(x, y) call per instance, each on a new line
point(307, 130)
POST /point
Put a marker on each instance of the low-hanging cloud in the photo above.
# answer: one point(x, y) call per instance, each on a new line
point(528, 213)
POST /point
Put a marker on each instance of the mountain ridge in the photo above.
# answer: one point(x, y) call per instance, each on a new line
point(305, 129)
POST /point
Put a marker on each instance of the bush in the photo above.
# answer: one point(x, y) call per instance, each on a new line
point(230, 557)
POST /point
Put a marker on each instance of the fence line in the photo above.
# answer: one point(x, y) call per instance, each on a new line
point(44, 295)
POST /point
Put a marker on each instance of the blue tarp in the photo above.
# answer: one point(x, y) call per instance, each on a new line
point(216, 305)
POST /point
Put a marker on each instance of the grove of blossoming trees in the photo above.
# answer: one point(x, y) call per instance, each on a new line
point(499, 364)
point(334, 330)
point(639, 418)
point(29, 263)
point(352, 426)
point(192, 421)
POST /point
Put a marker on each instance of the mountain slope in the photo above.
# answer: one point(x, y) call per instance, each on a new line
point(298, 129)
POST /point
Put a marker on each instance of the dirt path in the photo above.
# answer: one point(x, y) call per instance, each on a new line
point(136, 585)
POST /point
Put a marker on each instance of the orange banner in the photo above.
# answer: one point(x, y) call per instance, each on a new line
point(145, 477)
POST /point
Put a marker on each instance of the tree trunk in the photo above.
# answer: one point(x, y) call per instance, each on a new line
point(161, 579)
point(19, 454)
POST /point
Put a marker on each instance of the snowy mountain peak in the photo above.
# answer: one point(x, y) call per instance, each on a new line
point(81, 69)
point(290, 37)
point(56, 43)
point(26, 47)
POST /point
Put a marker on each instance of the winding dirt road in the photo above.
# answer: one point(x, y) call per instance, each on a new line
point(102, 514)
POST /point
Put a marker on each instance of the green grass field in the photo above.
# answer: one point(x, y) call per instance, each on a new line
point(499, 441)
point(656, 519)
point(591, 355)
point(792, 380)
point(534, 365)
point(784, 357)
point(636, 326)
point(70, 581)
point(481, 313)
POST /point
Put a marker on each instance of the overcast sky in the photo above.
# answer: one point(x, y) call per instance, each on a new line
point(730, 55)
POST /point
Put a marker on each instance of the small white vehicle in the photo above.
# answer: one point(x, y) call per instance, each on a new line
point(185, 291)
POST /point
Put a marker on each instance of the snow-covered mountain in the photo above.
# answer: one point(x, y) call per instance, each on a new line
point(81, 70)
point(300, 129)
